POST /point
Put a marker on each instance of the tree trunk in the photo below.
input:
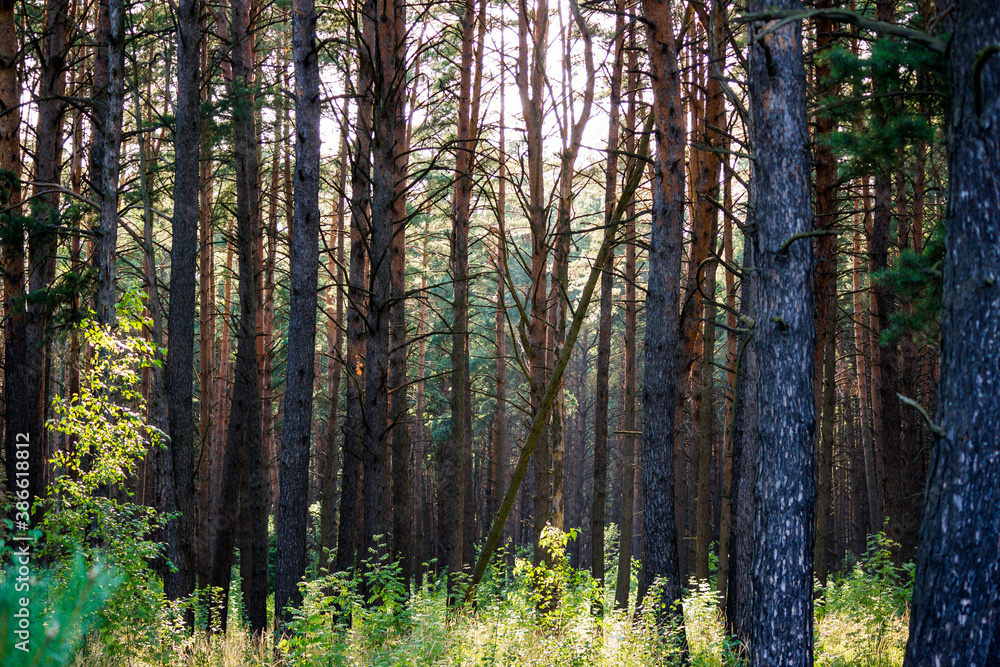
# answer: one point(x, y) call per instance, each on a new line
point(781, 631)
point(662, 310)
point(328, 493)
point(208, 362)
point(17, 407)
point(825, 316)
point(243, 440)
point(349, 530)
point(956, 599)
point(110, 103)
point(178, 380)
point(388, 76)
point(292, 516)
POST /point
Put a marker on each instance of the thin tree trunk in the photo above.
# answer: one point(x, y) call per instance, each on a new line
point(603, 370)
point(457, 462)
point(328, 511)
point(385, 40)
point(825, 317)
point(349, 531)
point(17, 409)
point(208, 394)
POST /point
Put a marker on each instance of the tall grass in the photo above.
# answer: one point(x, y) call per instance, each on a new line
point(860, 621)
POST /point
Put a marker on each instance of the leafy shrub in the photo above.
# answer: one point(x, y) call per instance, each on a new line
point(863, 618)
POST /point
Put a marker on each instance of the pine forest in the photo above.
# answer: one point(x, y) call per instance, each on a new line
point(500, 332)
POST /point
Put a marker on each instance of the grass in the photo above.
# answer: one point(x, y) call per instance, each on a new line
point(507, 629)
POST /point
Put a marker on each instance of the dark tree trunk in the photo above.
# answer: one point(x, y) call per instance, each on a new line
point(110, 105)
point(349, 530)
point(292, 516)
point(956, 596)
point(208, 369)
point(388, 76)
point(662, 310)
point(781, 631)
point(458, 459)
point(825, 317)
point(244, 438)
point(17, 407)
point(178, 377)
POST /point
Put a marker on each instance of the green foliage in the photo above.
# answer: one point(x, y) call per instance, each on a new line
point(916, 280)
point(874, 127)
point(865, 609)
point(62, 607)
point(105, 434)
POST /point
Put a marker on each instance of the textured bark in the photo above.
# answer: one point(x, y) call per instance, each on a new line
point(178, 376)
point(243, 469)
point(110, 102)
point(292, 516)
point(956, 599)
point(825, 315)
point(662, 310)
point(349, 530)
point(17, 410)
point(781, 630)
point(388, 76)
point(208, 371)
point(399, 415)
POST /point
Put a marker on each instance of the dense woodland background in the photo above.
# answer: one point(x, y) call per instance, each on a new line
point(292, 290)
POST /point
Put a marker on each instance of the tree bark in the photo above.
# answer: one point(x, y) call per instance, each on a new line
point(825, 316)
point(781, 631)
point(662, 311)
point(17, 407)
point(349, 530)
point(243, 440)
point(110, 101)
point(178, 377)
point(956, 599)
point(292, 516)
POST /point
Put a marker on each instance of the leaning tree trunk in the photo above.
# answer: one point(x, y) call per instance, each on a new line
point(781, 630)
point(292, 513)
point(956, 595)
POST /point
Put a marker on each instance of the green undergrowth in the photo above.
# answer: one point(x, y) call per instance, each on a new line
point(860, 621)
